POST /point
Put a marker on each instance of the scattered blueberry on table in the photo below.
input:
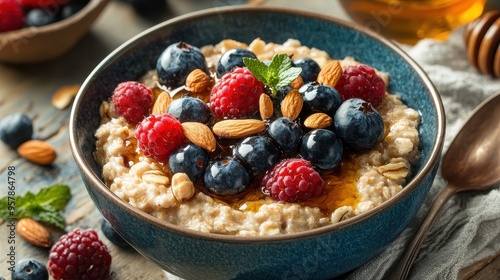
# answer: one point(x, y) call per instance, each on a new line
point(30, 269)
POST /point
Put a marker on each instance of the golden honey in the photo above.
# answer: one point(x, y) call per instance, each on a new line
point(340, 190)
point(408, 21)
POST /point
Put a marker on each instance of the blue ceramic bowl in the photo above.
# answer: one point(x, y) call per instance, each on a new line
point(321, 253)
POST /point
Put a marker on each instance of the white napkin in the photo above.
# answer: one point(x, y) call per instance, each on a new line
point(468, 228)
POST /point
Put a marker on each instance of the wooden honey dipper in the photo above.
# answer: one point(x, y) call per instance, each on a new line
point(482, 40)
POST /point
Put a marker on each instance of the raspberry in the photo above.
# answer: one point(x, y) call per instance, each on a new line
point(79, 255)
point(132, 100)
point(51, 4)
point(11, 15)
point(293, 180)
point(159, 135)
point(236, 94)
point(361, 81)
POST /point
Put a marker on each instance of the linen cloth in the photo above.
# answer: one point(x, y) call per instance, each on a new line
point(468, 228)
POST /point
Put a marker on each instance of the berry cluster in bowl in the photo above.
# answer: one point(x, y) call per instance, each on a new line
point(248, 131)
point(18, 14)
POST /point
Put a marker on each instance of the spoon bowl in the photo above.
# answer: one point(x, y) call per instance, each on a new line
point(473, 158)
point(471, 163)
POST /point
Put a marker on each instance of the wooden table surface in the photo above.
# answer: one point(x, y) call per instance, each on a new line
point(28, 89)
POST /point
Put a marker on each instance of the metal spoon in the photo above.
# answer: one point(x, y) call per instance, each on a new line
point(472, 162)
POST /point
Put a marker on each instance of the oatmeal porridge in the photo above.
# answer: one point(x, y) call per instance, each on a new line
point(357, 180)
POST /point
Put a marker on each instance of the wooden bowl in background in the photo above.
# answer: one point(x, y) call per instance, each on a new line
point(37, 44)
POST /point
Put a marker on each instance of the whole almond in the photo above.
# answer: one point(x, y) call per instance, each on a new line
point(198, 81)
point(292, 104)
point(318, 120)
point(238, 128)
point(200, 135)
point(265, 106)
point(64, 95)
point(38, 152)
point(33, 232)
point(330, 74)
point(297, 83)
point(161, 104)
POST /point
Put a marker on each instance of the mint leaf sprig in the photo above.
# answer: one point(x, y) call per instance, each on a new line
point(278, 74)
point(44, 206)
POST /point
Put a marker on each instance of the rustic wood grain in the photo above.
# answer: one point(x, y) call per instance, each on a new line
point(29, 88)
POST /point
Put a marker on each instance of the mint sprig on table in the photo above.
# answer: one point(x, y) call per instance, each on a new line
point(44, 206)
point(278, 74)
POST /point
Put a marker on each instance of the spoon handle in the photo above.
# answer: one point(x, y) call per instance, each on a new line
point(401, 269)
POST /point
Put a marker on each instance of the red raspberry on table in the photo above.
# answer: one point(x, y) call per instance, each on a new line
point(11, 15)
point(236, 94)
point(293, 180)
point(361, 81)
point(132, 100)
point(79, 255)
point(158, 135)
point(52, 4)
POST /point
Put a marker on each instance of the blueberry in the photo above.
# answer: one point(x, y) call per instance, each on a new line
point(259, 153)
point(16, 129)
point(72, 8)
point(358, 124)
point(320, 98)
point(322, 148)
point(189, 109)
point(280, 95)
point(231, 59)
point(226, 176)
point(310, 69)
point(177, 61)
point(40, 17)
point(189, 159)
point(30, 269)
point(112, 235)
point(286, 133)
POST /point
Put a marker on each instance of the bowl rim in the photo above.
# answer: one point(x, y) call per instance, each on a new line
point(164, 225)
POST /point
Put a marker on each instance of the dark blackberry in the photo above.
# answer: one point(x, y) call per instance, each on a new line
point(189, 159)
point(259, 153)
point(231, 59)
point(177, 61)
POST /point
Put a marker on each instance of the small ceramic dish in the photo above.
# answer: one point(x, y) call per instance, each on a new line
point(37, 44)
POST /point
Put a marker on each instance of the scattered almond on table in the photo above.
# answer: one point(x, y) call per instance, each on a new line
point(33, 232)
point(37, 151)
point(63, 97)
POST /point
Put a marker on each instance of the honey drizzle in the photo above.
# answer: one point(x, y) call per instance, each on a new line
point(340, 190)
